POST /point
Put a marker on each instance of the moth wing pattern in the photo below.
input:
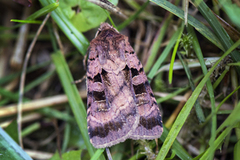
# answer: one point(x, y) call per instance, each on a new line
point(150, 122)
point(112, 112)
point(120, 101)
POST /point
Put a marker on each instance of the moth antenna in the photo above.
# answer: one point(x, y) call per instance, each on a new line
point(80, 80)
point(108, 153)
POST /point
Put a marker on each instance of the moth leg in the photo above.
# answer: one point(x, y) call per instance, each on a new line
point(80, 80)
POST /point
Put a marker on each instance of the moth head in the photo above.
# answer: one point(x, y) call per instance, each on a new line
point(105, 26)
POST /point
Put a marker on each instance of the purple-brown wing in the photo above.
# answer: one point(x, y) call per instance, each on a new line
point(112, 113)
point(150, 122)
point(120, 101)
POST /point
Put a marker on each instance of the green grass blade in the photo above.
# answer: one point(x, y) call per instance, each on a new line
point(231, 122)
point(169, 96)
point(191, 20)
point(30, 129)
point(97, 154)
point(210, 89)
point(39, 80)
point(176, 146)
point(199, 111)
point(187, 108)
point(222, 35)
point(26, 21)
point(76, 37)
point(75, 101)
point(10, 95)
point(14, 75)
point(43, 11)
point(53, 113)
point(216, 143)
point(66, 137)
point(220, 79)
point(164, 55)
point(177, 92)
point(39, 13)
point(170, 75)
point(155, 47)
point(220, 104)
point(236, 150)
point(10, 149)
point(134, 16)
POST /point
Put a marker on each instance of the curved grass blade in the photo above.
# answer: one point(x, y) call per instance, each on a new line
point(191, 20)
point(222, 35)
point(10, 149)
point(43, 11)
point(134, 16)
point(187, 108)
point(75, 100)
point(76, 37)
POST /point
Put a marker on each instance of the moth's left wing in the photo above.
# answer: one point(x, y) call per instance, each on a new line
point(112, 111)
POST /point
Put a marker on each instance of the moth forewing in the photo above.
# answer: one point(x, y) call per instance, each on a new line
point(120, 101)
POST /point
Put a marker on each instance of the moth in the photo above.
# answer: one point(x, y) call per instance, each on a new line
point(120, 101)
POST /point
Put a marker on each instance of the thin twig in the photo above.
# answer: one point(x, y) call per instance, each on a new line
point(37, 104)
point(57, 37)
point(105, 4)
point(22, 81)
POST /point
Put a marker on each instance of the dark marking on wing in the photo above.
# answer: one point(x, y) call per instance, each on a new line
point(146, 83)
point(89, 94)
point(126, 72)
point(98, 96)
point(89, 104)
point(121, 88)
point(134, 72)
point(102, 131)
point(105, 77)
point(139, 89)
point(89, 78)
point(88, 113)
point(97, 78)
point(150, 123)
point(155, 102)
point(151, 94)
point(113, 125)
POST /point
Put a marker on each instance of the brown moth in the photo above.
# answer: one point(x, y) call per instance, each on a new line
point(120, 101)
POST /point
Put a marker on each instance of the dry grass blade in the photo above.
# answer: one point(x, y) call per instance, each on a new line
point(22, 80)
